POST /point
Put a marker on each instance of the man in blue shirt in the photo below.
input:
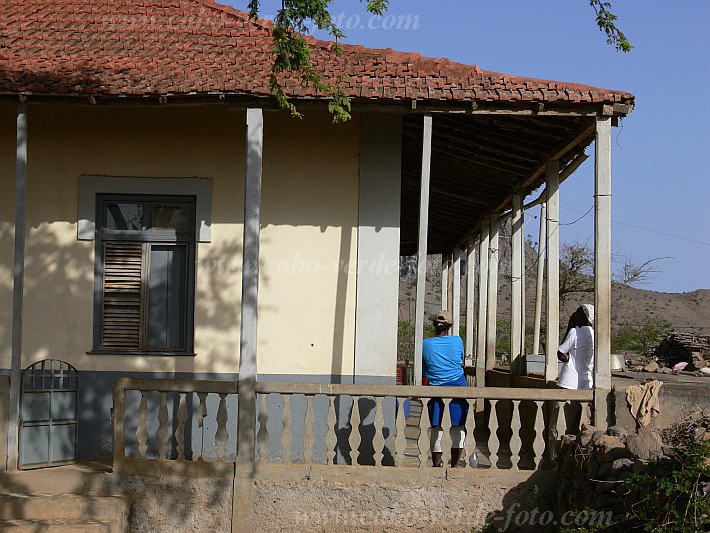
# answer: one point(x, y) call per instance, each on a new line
point(442, 358)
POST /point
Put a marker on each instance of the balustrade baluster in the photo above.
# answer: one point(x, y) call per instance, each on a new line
point(354, 440)
point(538, 440)
point(163, 435)
point(201, 414)
point(308, 439)
point(423, 441)
point(516, 442)
point(493, 442)
point(558, 427)
point(470, 445)
point(222, 436)
point(286, 433)
point(142, 427)
point(446, 437)
point(180, 431)
point(561, 422)
point(262, 436)
point(584, 416)
point(400, 440)
point(378, 440)
point(331, 439)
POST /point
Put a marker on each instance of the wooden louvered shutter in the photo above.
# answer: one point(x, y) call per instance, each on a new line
point(121, 324)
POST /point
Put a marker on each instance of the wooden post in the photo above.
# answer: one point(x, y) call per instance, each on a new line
point(523, 275)
point(484, 246)
point(243, 497)
point(516, 285)
point(552, 323)
point(470, 299)
point(18, 286)
point(602, 271)
point(445, 269)
point(456, 292)
point(492, 307)
point(542, 244)
point(422, 250)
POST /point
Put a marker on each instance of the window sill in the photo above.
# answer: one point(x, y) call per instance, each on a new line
point(143, 354)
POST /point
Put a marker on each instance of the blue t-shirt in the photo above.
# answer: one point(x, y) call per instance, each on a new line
point(443, 359)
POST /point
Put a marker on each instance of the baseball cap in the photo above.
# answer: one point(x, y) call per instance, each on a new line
point(442, 316)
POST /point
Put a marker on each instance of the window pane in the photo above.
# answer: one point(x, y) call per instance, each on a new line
point(124, 216)
point(170, 217)
point(166, 297)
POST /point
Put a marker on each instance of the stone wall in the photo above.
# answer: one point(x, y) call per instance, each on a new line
point(593, 465)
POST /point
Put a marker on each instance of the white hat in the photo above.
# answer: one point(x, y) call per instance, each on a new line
point(588, 312)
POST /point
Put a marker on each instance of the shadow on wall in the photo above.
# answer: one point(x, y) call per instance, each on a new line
point(58, 324)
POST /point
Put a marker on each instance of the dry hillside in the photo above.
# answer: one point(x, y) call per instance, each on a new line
point(689, 312)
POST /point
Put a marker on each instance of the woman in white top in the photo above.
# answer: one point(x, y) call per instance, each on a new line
point(577, 351)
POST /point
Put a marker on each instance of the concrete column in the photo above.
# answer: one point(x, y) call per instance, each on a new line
point(516, 285)
point(456, 292)
point(492, 306)
point(378, 248)
point(470, 300)
point(602, 271)
point(552, 263)
point(484, 246)
point(540, 275)
point(243, 500)
point(18, 286)
point(422, 249)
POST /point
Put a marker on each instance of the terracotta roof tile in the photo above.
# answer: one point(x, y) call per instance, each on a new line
point(138, 47)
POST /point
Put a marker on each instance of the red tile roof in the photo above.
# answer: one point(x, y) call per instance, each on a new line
point(139, 47)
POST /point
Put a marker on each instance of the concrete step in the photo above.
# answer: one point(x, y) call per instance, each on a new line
point(65, 510)
point(58, 526)
point(70, 479)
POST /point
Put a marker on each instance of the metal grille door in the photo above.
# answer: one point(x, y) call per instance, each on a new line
point(48, 414)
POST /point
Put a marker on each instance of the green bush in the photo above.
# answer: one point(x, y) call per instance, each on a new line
point(672, 498)
point(639, 337)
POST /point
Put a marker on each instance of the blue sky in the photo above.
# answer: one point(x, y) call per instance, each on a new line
point(660, 154)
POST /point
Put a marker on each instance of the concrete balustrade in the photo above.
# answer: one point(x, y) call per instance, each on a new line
point(170, 435)
point(331, 424)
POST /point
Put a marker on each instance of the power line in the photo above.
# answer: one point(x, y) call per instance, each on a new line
point(575, 221)
point(638, 227)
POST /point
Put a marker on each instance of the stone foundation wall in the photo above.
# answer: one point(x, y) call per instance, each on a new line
point(323, 499)
point(593, 465)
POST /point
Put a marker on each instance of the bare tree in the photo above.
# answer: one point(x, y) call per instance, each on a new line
point(577, 270)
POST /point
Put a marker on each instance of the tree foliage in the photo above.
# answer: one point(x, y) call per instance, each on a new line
point(292, 53)
point(641, 336)
point(606, 21)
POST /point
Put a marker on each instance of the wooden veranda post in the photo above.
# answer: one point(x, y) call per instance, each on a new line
point(492, 306)
point(516, 286)
point(540, 275)
point(456, 292)
point(602, 271)
point(422, 250)
point(243, 497)
point(445, 275)
point(18, 286)
point(483, 243)
point(552, 263)
point(523, 274)
point(470, 298)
